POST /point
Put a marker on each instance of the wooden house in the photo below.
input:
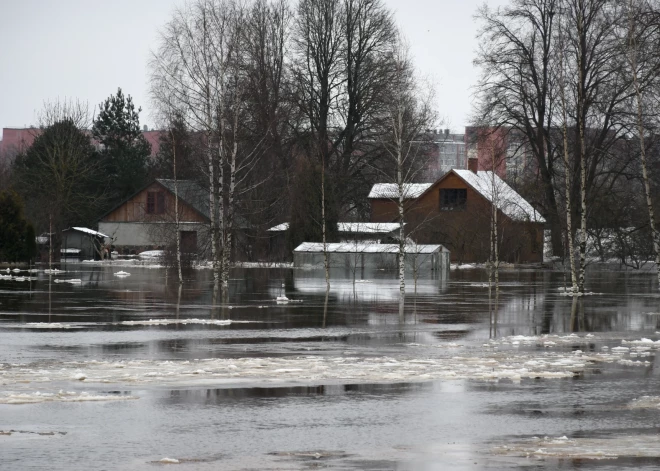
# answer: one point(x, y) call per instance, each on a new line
point(146, 220)
point(456, 211)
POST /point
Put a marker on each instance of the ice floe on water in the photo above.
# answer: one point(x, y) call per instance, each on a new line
point(49, 325)
point(181, 321)
point(637, 446)
point(645, 402)
point(493, 366)
point(73, 281)
point(61, 396)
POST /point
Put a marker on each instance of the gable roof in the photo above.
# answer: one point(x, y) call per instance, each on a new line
point(391, 190)
point(189, 192)
point(509, 201)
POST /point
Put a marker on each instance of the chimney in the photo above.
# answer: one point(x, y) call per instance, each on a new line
point(473, 164)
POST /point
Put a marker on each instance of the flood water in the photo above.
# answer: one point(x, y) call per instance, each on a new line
point(133, 373)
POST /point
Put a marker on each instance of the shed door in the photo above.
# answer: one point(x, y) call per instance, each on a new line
point(189, 241)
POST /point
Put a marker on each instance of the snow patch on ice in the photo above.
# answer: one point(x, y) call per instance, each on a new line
point(180, 321)
point(61, 396)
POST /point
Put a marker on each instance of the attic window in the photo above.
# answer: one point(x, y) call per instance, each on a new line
point(155, 202)
point(453, 199)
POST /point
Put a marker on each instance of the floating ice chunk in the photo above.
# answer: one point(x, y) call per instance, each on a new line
point(73, 281)
point(61, 396)
point(620, 349)
point(48, 325)
point(179, 321)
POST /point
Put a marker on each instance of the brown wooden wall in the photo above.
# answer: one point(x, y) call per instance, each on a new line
point(135, 209)
point(465, 233)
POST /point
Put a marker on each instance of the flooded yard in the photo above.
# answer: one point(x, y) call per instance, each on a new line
point(99, 371)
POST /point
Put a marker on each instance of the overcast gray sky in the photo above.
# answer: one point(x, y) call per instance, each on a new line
point(85, 49)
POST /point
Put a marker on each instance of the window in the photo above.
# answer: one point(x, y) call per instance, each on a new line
point(453, 199)
point(155, 202)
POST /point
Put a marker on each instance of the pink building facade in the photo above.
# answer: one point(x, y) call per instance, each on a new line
point(17, 140)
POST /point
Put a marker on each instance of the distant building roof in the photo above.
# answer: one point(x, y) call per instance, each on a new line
point(391, 190)
point(368, 227)
point(279, 228)
point(88, 231)
point(358, 247)
point(506, 198)
point(352, 227)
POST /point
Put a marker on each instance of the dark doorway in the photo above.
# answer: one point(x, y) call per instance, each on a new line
point(189, 242)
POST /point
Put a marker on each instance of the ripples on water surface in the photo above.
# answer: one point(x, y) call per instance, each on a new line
point(132, 373)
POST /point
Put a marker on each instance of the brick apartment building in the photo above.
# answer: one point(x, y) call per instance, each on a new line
point(17, 140)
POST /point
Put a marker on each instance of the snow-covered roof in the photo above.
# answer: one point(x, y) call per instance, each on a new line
point(279, 228)
point(352, 227)
point(353, 247)
point(368, 227)
point(90, 232)
point(506, 198)
point(391, 190)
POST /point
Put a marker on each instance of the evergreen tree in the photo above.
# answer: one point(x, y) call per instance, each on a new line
point(60, 178)
point(125, 151)
point(17, 239)
point(178, 140)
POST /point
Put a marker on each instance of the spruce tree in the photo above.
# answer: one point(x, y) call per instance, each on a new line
point(124, 149)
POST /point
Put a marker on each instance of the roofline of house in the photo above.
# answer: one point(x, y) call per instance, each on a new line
point(155, 180)
point(452, 171)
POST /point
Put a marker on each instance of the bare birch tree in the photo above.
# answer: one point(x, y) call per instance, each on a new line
point(643, 28)
point(565, 148)
point(189, 70)
point(406, 121)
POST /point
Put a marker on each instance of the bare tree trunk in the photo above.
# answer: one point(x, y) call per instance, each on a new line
point(326, 264)
point(567, 173)
point(494, 269)
point(229, 228)
point(569, 219)
point(212, 209)
point(402, 234)
point(177, 218)
point(50, 241)
point(642, 145)
point(221, 221)
point(581, 115)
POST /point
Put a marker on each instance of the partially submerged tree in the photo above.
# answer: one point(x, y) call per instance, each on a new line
point(17, 237)
point(643, 62)
point(516, 88)
point(60, 176)
point(404, 138)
